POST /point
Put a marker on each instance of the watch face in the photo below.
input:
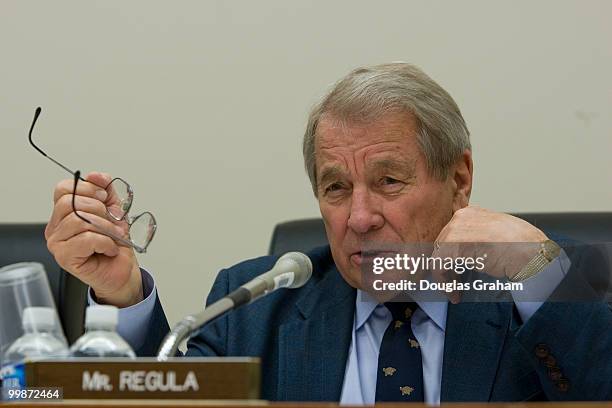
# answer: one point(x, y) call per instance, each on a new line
point(550, 249)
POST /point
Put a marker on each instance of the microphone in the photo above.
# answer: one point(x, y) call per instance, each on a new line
point(292, 270)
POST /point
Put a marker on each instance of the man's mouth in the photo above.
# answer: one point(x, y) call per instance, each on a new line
point(360, 257)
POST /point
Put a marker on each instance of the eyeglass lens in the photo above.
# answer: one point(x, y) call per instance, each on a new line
point(119, 201)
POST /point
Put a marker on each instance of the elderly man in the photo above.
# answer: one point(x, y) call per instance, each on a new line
point(389, 158)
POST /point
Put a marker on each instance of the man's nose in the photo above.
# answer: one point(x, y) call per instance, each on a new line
point(365, 213)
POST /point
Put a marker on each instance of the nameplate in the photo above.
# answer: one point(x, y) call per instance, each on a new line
point(218, 378)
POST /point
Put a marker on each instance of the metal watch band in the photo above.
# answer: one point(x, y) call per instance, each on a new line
point(549, 250)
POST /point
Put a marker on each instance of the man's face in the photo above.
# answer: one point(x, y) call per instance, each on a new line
point(373, 186)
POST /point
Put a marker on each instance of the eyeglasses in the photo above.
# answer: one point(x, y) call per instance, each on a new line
point(141, 228)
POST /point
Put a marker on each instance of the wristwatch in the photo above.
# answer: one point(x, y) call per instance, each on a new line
point(549, 250)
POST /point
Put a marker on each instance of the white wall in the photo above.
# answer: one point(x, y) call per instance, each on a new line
point(201, 105)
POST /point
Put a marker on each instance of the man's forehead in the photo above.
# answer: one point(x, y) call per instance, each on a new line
point(392, 138)
point(392, 128)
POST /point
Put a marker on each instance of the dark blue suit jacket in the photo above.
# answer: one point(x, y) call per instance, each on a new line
point(303, 338)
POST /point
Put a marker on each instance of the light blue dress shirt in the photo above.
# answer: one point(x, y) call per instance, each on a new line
point(133, 320)
point(370, 322)
point(428, 324)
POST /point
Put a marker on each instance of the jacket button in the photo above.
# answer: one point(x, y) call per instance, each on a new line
point(550, 361)
point(555, 374)
point(541, 351)
point(563, 385)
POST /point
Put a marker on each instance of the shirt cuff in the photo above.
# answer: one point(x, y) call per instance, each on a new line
point(134, 320)
point(538, 288)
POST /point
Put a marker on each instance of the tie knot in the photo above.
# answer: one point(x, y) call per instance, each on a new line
point(401, 311)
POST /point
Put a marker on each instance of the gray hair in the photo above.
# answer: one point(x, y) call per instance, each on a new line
point(368, 93)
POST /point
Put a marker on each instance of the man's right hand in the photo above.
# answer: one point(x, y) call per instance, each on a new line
point(108, 267)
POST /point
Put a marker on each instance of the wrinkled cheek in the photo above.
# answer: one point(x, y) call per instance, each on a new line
point(420, 220)
point(335, 225)
point(435, 222)
point(331, 216)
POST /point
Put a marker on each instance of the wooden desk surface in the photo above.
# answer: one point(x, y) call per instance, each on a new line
point(252, 403)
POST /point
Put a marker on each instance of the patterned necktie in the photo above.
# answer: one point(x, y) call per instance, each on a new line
point(400, 368)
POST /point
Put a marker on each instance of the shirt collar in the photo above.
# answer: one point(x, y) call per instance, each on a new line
point(365, 305)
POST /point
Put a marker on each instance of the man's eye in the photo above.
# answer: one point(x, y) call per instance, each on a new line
point(391, 185)
point(333, 187)
point(388, 181)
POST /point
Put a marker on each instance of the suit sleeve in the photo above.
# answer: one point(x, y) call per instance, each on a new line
point(212, 338)
point(210, 341)
point(570, 342)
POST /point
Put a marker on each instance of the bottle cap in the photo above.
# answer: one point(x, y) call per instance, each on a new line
point(38, 318)
point(101, 316)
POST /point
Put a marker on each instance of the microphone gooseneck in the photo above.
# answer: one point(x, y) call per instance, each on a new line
point(292, 270)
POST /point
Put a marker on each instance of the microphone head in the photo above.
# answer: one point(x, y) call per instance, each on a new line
point(299, 264)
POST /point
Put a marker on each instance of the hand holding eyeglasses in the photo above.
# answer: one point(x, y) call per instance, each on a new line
point(92, 235)
point(107, 266)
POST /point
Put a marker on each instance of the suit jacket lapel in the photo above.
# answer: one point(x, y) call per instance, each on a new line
point(313, 346)
point(475, 334)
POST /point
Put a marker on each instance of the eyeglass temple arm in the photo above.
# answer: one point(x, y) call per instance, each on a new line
point(36, 114)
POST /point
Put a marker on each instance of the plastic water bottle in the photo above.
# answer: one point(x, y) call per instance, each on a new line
point(38, 342)
point(101, 338)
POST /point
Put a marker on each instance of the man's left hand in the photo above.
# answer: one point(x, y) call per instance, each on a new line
point(509, 242)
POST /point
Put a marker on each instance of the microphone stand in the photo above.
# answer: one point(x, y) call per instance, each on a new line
point(291, 270)
point(190, 325)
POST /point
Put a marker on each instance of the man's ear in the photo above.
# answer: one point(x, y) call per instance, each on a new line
point(462, 174)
